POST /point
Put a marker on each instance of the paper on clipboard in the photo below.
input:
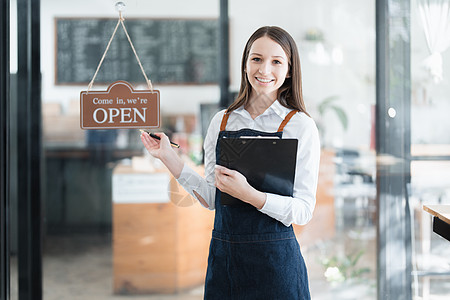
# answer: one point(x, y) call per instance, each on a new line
point(260, 137)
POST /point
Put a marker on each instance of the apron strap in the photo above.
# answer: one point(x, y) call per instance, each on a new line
point(224, 121)
point(288, 117)
point(286, 120)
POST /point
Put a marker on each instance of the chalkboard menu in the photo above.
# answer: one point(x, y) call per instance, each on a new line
point(172, 51)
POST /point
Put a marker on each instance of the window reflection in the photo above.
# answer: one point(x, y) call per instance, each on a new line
point(430, 151)
point(339, 244)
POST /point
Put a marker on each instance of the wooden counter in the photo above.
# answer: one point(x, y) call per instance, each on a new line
point(163, 247)
point(160, 247)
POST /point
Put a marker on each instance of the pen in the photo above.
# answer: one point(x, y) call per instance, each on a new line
point(158, 138)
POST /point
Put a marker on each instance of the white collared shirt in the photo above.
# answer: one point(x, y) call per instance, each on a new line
point(297, 209)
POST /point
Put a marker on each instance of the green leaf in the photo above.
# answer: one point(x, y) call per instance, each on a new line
point(325, 104)
point(341, 115)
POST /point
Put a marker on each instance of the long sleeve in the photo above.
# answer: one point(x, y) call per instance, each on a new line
point(191, 181)
point(299, 208)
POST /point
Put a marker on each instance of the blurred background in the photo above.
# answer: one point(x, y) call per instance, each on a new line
point(116, 225)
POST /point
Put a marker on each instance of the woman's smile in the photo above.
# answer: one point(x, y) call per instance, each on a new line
point(264, 80)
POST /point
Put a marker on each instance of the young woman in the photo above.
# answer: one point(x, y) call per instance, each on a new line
point(254, 253)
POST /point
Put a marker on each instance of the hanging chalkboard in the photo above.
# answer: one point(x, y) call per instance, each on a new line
point(172, 51)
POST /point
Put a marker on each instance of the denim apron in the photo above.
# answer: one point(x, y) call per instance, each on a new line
point(251, 255)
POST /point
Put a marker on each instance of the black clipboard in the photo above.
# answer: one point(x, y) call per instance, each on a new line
point(267, 163)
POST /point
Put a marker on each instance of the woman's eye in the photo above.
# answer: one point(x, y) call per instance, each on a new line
point(277, 62)
point(256, 59)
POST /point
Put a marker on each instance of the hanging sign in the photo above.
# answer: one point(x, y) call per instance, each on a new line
point(120, 106)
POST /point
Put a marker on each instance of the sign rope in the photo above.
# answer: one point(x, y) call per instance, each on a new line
point(120, 22)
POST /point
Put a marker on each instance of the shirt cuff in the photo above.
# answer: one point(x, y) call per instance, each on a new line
point(273, 206)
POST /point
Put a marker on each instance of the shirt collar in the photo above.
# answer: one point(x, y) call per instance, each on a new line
point(279, 109)
point(275, 108)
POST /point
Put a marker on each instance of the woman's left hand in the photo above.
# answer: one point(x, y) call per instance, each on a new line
point(235, 184)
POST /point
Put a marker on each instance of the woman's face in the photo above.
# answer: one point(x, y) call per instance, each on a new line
point(267, 67)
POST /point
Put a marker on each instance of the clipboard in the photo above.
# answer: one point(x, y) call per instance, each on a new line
point(268, 164)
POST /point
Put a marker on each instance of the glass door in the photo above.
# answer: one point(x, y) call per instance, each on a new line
point(98, 242)
point(430, 145)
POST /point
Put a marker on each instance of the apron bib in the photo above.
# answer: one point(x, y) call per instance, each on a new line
point(251, 255)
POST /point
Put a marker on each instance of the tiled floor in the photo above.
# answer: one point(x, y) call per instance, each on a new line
point(80, 267)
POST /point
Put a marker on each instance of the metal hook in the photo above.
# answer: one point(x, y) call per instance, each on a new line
point(120, 7)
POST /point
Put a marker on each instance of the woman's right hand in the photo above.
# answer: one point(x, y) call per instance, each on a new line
point(162, 150)
point(157, 148)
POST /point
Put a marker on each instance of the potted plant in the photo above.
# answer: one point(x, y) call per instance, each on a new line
point(329, 105)
point(346, 276)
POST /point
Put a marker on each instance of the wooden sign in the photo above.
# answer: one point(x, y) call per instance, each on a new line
point(120, 106)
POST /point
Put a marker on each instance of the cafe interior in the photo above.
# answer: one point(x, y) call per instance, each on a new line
point(91, 215)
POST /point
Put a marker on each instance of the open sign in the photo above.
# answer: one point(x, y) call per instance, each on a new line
point(120, 106)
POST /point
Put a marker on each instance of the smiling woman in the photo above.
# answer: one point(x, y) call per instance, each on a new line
point(253, 236)
point(266, 69)
point(289, 93)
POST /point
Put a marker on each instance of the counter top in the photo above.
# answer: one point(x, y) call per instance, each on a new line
point(441, 219)
point(441, 211)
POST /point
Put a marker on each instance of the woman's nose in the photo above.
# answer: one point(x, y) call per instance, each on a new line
point(264, 68)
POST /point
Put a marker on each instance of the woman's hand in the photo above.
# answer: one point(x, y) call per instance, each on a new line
point(235, 184)
point(157, 148)
point(162, 150)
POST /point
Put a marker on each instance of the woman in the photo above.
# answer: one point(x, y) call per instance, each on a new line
point(254, 253)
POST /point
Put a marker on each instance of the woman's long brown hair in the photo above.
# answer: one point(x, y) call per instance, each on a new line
point(290, 93)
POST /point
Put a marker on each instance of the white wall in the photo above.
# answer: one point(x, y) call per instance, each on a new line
point(347, 24)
